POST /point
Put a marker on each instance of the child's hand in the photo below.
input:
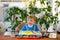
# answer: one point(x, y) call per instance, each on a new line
point(34, 32)
point(40, 35)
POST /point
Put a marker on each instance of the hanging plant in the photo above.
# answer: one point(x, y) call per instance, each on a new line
point(47, 18)
point(58, 3)
point(42, 1)
point(11, 15)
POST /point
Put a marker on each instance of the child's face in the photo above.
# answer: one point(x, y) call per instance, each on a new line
point(30, 21)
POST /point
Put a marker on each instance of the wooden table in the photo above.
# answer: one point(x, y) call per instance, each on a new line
point(2, 37)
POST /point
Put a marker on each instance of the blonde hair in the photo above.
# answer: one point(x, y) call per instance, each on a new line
point(33, 17)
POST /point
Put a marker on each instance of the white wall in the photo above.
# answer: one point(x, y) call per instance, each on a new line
point(1, 14)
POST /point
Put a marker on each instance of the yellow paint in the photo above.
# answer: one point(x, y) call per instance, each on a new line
point(27, 32)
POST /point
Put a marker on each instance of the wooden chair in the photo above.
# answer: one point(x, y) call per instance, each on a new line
point(19, 27)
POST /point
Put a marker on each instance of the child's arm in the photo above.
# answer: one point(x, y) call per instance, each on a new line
point(23, 28)
point(36, 28)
